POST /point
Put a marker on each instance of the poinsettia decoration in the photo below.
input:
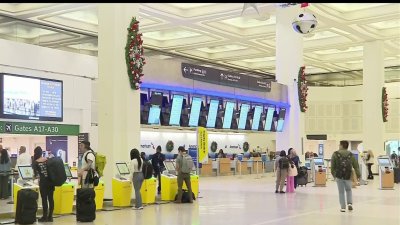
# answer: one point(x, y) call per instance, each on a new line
point(385, 105)
point(134, 54)
point(302, 89)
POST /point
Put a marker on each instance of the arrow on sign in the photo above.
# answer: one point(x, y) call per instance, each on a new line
point(185, 69)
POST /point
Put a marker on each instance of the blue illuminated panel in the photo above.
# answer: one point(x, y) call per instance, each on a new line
point(195, 112)
point(212, 113)
point(176, 110)
point(281, 120)
point(256, 118)
point(154, 114)
point(244, 110)
point(228, 115)
point(268, 119)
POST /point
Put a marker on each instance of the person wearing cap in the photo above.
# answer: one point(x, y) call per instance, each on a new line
point(88, 162)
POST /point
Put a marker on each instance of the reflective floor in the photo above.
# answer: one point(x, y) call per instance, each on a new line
point(249, 201)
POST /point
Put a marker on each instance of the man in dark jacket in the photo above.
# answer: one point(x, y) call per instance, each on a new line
point(157, 160)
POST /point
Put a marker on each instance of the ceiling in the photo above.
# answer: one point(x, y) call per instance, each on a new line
point(220, 33)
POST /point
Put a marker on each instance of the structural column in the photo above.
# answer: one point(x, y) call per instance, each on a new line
point(289, 58)
point(373, 81)
point(118, 104)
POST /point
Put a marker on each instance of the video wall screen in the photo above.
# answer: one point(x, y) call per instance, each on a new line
point(244, 111)
point(281, 119)
point(176, 110)
point(229, 106)
point(269, 117)
point(256, 117)
point(195, 111)
point(31, 98)
point(212, 113)
point(154, 115)
point(156, 98)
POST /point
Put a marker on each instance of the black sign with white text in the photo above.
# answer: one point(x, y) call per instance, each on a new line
point(225, 78)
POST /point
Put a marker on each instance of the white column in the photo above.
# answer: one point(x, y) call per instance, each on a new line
point(289, 58)
point(119, 114)
point(373, 81)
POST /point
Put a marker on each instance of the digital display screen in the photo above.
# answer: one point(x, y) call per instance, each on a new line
point(195, 112)
point(156, 98)
point(319, 161)
point(31, 98)
point(244, 110)
point(281, 120)
point(212, 113)
point(256, 118)
point(169, 166)
point(384, 162)
point(176, 110)
point(268, 119)
point(67, 171)
point(25, 172)
point(228, 115)
point(122, 168)
point(154, 114)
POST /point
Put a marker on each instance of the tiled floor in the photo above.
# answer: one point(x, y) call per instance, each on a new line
point(235, 200)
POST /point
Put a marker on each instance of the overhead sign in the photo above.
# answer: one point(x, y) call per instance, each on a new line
point(8, 127)
point(226, 78)
point(202, 143)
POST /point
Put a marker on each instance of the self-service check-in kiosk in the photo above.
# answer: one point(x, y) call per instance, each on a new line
point(386, 173)
point(25, 181)
point(122, 186)
point(319, 172)
point(64, 195)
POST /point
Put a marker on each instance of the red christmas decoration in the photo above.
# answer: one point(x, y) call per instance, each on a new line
point(385, 105)
point(134, 54)
point(302, 89)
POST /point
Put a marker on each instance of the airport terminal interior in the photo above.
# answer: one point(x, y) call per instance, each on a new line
point(238, 86)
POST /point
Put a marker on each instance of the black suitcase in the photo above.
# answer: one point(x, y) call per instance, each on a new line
point(85, 205)
point(396, 175)
point(302, 180)
point(185, 196)
point(26, 206)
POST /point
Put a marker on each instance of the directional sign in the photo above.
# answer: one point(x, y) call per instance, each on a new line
point(225, 78)
point(38, 128)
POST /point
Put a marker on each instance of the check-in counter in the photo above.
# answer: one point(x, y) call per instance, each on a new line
point(242, 167)
point(207, 169)
point(224, 166)
point(257, 165)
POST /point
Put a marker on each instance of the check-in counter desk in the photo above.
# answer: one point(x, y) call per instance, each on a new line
point(207, 168)
point(243, 166)
point(224, 166)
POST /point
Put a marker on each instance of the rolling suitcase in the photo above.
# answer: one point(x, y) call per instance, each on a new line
point(26, 206)
point(396, 175)
point(302, 177)
point(85, 205)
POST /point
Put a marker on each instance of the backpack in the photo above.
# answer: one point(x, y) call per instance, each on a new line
point(284, 163)
point(344, 166)
point(100, 162)
point(187, 164)
point(147, 169)
point(56, 171)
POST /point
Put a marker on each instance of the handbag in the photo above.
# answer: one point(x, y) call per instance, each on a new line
point(292, 170)
point(92, 177)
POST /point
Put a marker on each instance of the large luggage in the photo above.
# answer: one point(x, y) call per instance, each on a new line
point(26, 206)
point(85, 205)
point(396, 175)
point(185, 196)
point(56, 171)
point(302, 176)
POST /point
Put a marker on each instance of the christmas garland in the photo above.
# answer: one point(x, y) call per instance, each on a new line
point(246, 146)
point(214, 146)
point(302, 89)
point(385, 105)
point(134, 54)
point(169, 146)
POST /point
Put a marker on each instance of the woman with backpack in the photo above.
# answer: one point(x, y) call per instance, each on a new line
point(5, 170)
point(281, 167)
point(46, 188)
point(136, 166)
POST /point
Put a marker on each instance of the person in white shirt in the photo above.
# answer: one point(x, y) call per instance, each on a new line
point(136, 166)
point(23, 158)
point(88, 162)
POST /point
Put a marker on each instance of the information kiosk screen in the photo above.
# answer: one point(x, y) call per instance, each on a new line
point(169, 166)
point(122, 168)
point(25, 172)
point(319, 161)
point(67, 171)
point(384, 162)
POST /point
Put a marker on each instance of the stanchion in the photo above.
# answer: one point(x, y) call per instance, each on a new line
point(12, 188)
point(263, 169)
point(257, 177)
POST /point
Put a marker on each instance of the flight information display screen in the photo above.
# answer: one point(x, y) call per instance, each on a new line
point(195, 112)
point(268, 119)
point(212, 113)
point(176, 110)
point(281, 120)
point(228, 115)
point(244, 111)
point(256, 117)
point(154, 114)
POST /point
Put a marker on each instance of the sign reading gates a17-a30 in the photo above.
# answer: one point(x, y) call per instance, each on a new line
point(226, 78)
point(9, 127)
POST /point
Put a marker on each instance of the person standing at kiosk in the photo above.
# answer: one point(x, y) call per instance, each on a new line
point(183, 167)
point(343, 161)
point(157, 160)
point(46, 188)
point(137, 177)
point(88, 162)
point(5, 170)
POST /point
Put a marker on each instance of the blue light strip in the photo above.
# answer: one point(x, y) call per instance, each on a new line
point(214, 93)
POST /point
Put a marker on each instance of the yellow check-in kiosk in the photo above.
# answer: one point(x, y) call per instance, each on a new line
point(64, 195)
point(148, 190)
point(25, 181)
point(386, 173)
point(99, 190)
point(122, 186)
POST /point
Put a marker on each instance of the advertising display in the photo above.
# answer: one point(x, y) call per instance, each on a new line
point(244, 110)
point(31, 98)
point(176, 110)
point(58, 145)
point(281, 120)
point(256, 118)
point(154, 115)
point(212, 113)
point(229, 106)
point(268, 119)
point(195, 111)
